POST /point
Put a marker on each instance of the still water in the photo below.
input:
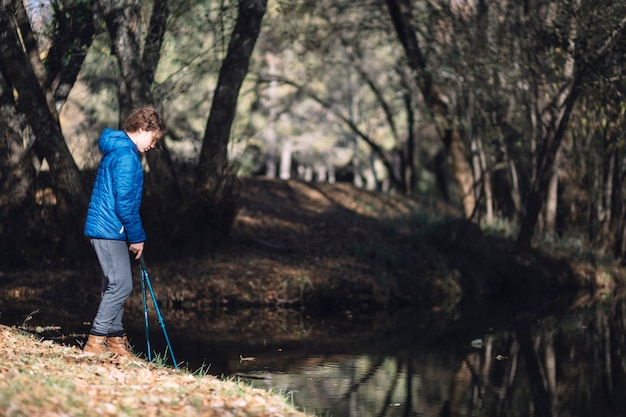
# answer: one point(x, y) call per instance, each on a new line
point(545, 356)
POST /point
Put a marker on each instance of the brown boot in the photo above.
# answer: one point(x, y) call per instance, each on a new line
point(119, 346)
point(96, 344)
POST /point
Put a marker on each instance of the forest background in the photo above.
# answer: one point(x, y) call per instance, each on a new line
point(511, 111)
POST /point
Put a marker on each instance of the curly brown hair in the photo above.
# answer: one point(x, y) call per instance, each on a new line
point(147, 118)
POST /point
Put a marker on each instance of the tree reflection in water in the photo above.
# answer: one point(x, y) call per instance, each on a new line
point(563, 364)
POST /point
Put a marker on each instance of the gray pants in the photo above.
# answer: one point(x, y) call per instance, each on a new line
point(117, 284)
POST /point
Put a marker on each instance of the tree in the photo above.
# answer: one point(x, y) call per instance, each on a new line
point(346, 95)
point(492, 87)
point(587, 48)
point(16, 170)
point(401, 12)
point(214, 207)
point(32, 102)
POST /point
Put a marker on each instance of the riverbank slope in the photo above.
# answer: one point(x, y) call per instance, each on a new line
point(328, 248)
point(47, 379)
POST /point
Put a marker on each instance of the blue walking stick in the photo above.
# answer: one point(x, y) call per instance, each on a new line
point(145, 309)
point(145, 283)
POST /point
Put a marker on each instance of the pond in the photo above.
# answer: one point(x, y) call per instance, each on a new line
point(554, 355)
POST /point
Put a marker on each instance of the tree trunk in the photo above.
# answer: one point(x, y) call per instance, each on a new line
point(402, 17)
point(215, 181)
point(408, 170)
point(516, 195)
point(32, 50)
point(122, 18)
point(552, 201)
point(606, 200)
point(270, 130)
point(16, 169)
point(286, 158)
point(577, 69)
point(17, 175)
point(483, 178)
point(75, 33)
point(123, 24)
point(545, 168)
point(617, 204)
point(50, 143)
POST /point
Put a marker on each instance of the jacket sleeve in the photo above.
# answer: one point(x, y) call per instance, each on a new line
point(128, 188)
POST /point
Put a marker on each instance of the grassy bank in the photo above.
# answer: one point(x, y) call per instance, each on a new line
point(45, 379)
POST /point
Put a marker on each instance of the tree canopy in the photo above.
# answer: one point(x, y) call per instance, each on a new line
point(513, 110)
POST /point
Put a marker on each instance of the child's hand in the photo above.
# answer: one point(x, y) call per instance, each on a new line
point(137, 249)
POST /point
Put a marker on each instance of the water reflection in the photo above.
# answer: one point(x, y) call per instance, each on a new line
point(545, 357)
point(347, 385)
point(565, 363)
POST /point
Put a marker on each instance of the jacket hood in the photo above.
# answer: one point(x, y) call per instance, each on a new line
point(111, 140)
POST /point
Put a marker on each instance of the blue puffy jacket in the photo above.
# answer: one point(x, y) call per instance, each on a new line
point(116, 198)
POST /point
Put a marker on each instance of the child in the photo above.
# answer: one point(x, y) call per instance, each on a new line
point(114, 223)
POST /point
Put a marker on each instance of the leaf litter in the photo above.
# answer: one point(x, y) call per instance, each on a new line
point(47, 379)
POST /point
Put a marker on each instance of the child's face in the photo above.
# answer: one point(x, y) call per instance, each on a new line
point(146, 140)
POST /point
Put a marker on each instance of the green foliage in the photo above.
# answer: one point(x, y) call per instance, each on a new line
point(501, 227)
point(202, 370)
point(575, 247)
point(160, 359)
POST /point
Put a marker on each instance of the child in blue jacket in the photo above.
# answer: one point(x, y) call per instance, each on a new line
point(114, 223)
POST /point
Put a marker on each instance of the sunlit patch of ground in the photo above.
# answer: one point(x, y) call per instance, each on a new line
point(42, 378)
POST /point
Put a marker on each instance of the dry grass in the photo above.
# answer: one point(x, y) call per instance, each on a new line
point(45, 379)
